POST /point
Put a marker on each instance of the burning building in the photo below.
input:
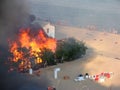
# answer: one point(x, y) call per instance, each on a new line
point(49, 29)
point(14, 14)
point(26, 49)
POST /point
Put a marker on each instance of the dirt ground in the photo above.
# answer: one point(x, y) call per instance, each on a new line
point(102, 56)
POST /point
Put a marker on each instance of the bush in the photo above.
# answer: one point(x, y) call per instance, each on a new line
point(70, 49)
point(48, 57)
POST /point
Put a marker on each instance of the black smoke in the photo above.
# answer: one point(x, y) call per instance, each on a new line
point(13, 15)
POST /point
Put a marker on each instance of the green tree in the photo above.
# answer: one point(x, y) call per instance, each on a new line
point(70, 49)
point(48, 57)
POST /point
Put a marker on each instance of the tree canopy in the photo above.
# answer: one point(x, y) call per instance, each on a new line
point(70, 49)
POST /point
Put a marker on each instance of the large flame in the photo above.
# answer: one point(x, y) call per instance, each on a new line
point(28, 46)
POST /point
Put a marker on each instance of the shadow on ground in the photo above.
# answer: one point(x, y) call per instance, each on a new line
point(18, 81)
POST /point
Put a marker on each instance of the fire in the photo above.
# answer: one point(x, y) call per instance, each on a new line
point(28, 47)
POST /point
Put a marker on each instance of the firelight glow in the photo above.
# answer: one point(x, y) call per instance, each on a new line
point(30, 45)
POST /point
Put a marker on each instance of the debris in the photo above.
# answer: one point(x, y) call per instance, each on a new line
point(117, 58)
point(116, 42)
point(51, 88)
point(37, 73)
point(101, 39)
point(66, 77)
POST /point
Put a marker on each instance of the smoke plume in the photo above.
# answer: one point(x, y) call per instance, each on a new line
point(13, 15)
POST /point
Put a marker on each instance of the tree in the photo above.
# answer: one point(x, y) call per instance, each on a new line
point(70, 49)
point(48, 57)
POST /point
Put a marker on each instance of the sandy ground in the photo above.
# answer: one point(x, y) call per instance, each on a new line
point(102, 56)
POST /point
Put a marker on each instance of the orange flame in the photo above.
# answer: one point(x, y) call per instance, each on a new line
point(33, 45)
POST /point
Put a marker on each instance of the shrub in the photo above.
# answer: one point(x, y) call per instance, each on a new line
point(48, 57)
point(70, 49)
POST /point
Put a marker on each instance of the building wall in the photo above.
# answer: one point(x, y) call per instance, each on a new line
point(49, 30)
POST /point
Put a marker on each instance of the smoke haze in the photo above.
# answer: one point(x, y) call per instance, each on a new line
point(14, 14)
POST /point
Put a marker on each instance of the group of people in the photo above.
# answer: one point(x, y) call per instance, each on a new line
point(82, 77)
point(98, 77)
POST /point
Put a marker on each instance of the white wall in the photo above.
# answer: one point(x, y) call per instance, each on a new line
point(50, 30)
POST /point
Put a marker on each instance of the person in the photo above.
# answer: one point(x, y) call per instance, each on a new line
point(79, 78)
point(80, 75)
point(86, 75)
